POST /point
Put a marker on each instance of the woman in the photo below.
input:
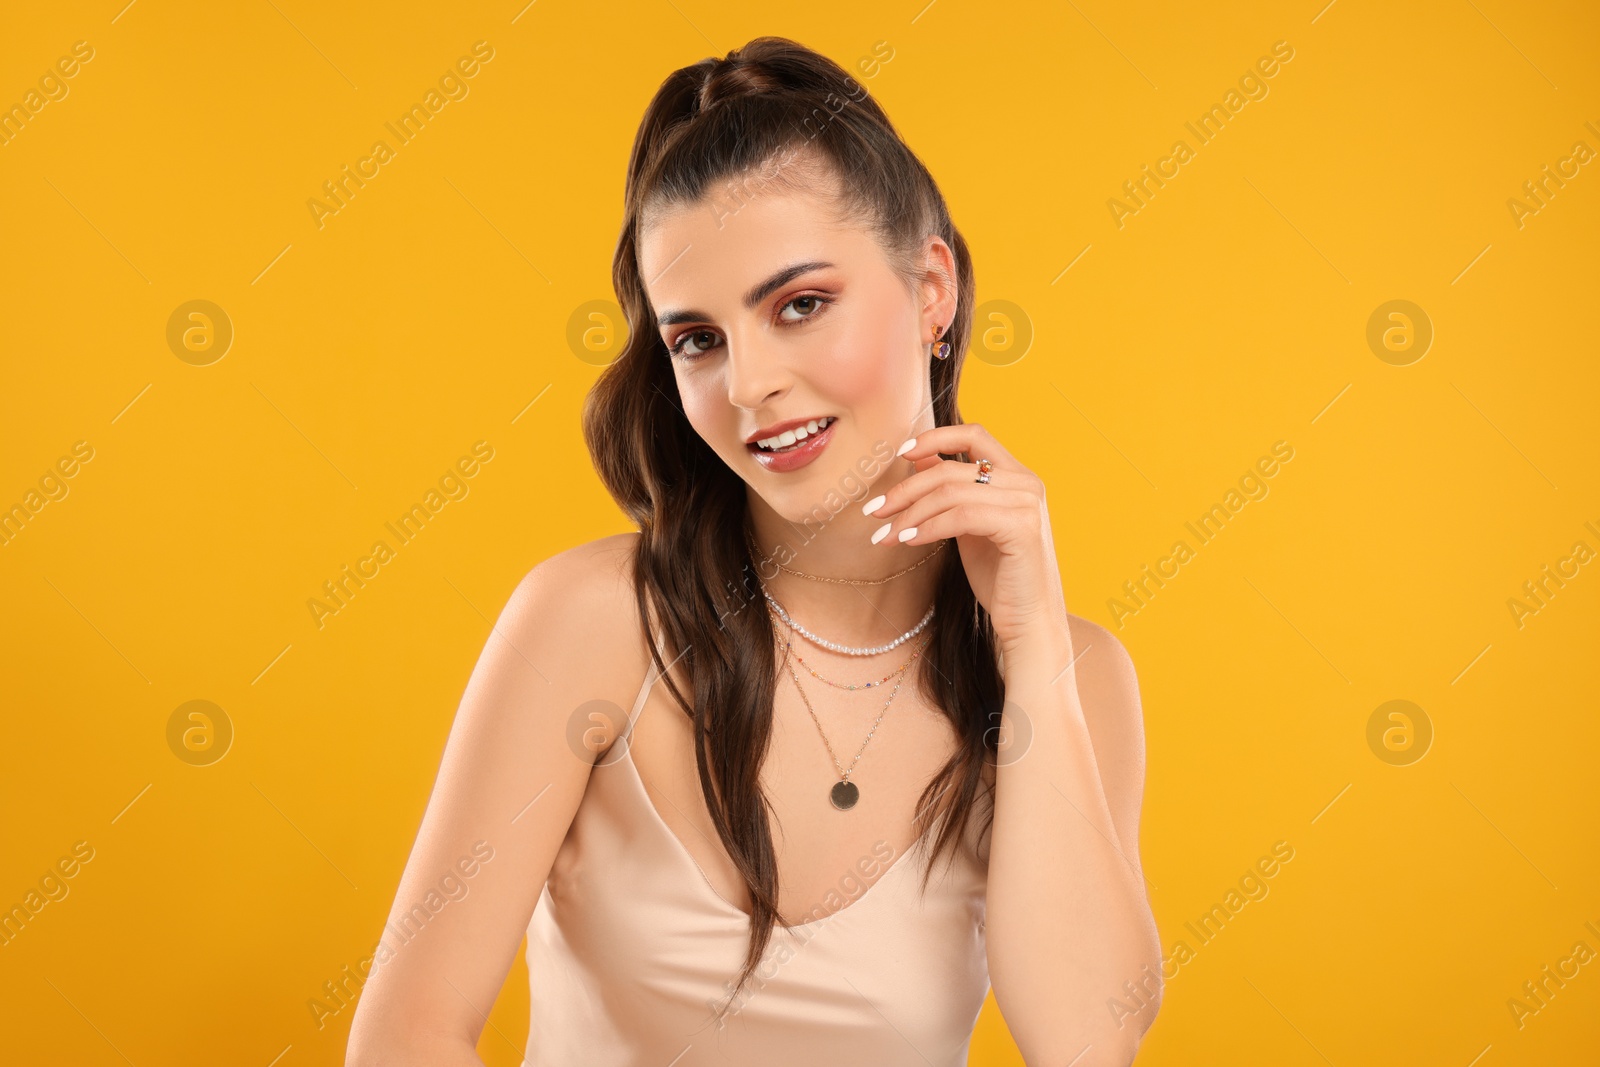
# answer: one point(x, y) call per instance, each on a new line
point(799, 304)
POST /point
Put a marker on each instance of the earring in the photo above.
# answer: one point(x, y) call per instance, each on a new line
point(941, 349)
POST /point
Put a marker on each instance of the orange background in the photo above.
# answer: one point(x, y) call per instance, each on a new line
point(1141, 369)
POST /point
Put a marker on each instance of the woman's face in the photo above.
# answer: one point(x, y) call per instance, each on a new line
point(773, 313)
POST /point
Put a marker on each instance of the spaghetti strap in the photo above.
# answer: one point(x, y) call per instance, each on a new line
point(651, 676)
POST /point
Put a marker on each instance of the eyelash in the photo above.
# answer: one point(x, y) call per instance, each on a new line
point(676, 348)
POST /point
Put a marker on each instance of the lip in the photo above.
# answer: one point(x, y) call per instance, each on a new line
point(778, 427)
point(804, 453)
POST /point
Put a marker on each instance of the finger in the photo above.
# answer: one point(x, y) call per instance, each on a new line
point(966, 437)
point(939, 472)
point(963, 520)
point(981, 510)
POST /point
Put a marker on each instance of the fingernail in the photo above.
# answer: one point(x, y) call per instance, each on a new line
point(908, 533)
point(872, 505)
point(907, 447)
point(881, 531)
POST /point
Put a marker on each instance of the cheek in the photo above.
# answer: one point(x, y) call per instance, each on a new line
point(705, 405)
point(869, 368)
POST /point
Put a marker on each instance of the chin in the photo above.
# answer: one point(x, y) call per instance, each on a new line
point(814, 494)
point(822, 497)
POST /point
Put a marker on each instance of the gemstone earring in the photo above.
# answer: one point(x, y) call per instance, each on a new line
point(941, 349)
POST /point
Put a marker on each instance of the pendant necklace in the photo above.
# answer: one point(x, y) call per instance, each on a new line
point(846, 793)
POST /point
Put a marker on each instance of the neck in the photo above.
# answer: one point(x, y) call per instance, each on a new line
point(857, 615)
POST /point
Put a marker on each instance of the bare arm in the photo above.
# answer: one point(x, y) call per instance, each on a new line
point(1074, 953)
point(508, 787)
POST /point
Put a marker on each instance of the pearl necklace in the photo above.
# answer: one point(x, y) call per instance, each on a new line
point(846, 650)
point(789, 652)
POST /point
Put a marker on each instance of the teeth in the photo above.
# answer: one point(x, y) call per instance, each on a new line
point(792, 437)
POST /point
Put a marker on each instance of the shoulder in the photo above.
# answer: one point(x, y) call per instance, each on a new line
point(597, 569)
point(1104, 665)
point(1108, 692)
point(589, 586)
point(579, 605)
point(1108, 689)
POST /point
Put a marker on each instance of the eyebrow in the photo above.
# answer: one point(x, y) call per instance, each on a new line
point(757, 293)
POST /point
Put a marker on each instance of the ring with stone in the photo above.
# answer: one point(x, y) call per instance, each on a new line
point(984, 469)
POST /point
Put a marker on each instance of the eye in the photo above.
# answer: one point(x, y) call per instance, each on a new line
point(677, 348)
point(815, 301)
point(704, 340)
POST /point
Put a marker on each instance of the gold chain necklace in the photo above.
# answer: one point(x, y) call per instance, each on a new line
point(756, 550)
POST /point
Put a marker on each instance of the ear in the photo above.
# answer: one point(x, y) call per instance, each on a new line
point(939, 287)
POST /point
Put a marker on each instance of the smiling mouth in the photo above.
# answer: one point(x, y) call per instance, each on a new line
point(790, 440)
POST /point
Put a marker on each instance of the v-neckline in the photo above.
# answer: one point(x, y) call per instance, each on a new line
point(739, 914)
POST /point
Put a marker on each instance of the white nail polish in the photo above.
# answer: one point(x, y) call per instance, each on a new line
point(908, 533)
point(873, 505)
point(907, 447)
point(882, 530)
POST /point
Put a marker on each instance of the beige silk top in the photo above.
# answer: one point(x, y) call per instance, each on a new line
point(631, 950)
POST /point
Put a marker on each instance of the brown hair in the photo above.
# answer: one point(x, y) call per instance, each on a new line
point(710, 122)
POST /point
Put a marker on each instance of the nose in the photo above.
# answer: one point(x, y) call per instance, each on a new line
point(756, 372)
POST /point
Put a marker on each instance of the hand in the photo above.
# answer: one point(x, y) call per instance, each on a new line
point(1002, 530)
